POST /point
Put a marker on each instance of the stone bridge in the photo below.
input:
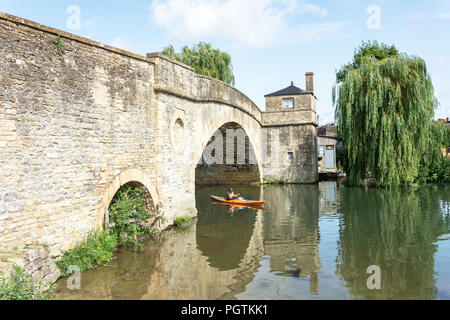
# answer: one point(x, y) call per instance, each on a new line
point(76, 125)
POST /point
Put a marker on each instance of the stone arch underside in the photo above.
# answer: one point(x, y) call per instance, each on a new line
point(127, 176)
point(223, 120)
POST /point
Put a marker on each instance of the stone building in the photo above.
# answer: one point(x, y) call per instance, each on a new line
point(327, 141)
point(291, 113)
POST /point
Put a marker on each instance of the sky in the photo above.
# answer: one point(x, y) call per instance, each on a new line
point(271, 42)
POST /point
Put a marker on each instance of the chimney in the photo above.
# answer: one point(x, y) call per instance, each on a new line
point(310, 82)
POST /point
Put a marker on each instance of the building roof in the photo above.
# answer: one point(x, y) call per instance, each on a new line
point(289, 91)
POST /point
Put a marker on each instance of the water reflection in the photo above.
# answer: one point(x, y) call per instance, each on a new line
point(243, 253)
point(291, 232)
point(224, 232)
point(396, 230)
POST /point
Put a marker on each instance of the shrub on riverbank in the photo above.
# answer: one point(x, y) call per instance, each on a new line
point(21, 286)
point(97, 249)
point(130, 211)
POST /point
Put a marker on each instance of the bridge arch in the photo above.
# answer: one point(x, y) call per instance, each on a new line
point(127, 176)
point(216, 117)
point(228, 157)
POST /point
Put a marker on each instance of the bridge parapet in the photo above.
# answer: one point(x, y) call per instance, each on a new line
point(176, 78)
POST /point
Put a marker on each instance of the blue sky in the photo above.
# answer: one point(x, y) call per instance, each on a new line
point(272, 42)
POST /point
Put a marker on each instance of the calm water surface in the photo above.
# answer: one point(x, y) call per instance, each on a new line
point(311, 242)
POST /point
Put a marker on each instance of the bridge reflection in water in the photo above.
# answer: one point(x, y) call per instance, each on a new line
point(217, 257)
point(246, 254)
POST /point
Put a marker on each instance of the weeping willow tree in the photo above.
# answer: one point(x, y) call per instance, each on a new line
point(205, 60)
point(384, 108)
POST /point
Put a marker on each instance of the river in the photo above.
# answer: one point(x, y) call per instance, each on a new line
point(310, 242)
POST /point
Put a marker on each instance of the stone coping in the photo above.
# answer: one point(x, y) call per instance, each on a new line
point(159, 55)
point(291, 111)
point(290, 124)
point(154, 55)
point(185, 95)
point(40, 27)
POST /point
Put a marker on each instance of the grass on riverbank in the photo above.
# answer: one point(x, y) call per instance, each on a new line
point(182, 221)
point(21, 286)
point(130, 212)
point(98, 249)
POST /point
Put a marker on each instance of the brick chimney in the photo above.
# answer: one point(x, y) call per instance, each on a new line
point(310, 82)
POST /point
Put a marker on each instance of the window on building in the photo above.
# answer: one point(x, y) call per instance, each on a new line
point(288, 103)
point(322, 151)
point(290, 156)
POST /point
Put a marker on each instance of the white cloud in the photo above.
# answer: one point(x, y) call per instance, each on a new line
point(246, 23)
point(442, 63)
point(119, 43)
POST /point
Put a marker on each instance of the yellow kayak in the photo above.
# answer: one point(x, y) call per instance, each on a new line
point(238, 201)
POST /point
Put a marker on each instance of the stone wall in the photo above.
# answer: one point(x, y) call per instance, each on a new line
point(36, 261)
point(300, 143)
point(73, 122)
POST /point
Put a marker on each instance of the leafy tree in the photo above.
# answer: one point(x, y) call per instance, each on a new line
point(205, 60)
point(434, 167)
point(384, 107)
point(367, 49)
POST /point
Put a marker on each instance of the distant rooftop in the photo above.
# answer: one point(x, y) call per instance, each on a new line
point(289, 91)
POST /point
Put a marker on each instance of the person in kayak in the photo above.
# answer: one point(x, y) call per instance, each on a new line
point(231, 195)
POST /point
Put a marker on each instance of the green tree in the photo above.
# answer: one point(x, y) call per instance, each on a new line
point(205, 60)
point(384, 107)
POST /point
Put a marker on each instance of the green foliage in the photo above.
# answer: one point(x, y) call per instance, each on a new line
point(20, 286)
point(205, 60)
point(182, 221)
point(58, 44)
point(97, 249)
point(384, 105)
point(129, 211)
point(367, 49)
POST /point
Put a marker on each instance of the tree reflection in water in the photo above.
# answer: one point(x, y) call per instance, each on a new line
point(397, 230)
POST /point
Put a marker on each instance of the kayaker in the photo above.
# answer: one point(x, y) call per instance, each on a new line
point(231, 195)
